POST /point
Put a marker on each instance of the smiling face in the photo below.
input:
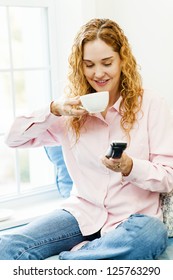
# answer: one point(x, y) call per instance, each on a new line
point(102, 67)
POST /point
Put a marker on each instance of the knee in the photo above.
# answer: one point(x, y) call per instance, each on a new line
point(157, 235)
point(151, 236)
point(150, 225)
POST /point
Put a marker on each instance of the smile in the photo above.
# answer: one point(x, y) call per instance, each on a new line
point(101, 82)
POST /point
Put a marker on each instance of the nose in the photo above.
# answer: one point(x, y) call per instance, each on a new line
point(99, 73)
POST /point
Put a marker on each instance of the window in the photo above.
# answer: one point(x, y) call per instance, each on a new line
point(25, 83)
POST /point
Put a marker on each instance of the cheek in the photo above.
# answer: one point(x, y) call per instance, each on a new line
point(85, 71)
point(87, 74)
point(116, 72)
point(116, 69)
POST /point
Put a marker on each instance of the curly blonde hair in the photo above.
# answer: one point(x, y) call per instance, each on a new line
point(130, 80)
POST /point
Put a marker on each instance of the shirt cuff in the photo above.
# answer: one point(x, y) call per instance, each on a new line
point(139, 172)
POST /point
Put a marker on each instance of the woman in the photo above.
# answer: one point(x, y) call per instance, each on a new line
point(114, 209)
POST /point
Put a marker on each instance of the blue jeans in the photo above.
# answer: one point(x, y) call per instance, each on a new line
point(140, 237)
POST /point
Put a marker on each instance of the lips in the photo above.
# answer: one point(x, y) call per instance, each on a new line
point(101, 83)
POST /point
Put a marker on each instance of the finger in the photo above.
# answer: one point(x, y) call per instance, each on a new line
point(104, 159)
point(72, 111)
point(106, 162)
point(114, 165)
point(72, 101)
point(78, 112)
point(115, 160)
point(110, 160)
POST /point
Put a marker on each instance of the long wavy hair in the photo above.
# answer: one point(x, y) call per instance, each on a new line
point(130, 79)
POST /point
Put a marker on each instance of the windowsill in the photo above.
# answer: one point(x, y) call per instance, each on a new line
point(28, 208)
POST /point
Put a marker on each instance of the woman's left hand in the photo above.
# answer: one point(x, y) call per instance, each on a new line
point(123, 164)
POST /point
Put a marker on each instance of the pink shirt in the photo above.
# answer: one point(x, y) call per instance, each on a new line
point(101, 198)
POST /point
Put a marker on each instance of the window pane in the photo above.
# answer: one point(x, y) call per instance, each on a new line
point(35, 169)
point(32, 90)
point(29, 37)
point(6, 104)
point(4, 47)
point(7, 170)
point(25, 85)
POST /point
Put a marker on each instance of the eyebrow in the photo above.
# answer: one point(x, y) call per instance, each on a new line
point(103, 59)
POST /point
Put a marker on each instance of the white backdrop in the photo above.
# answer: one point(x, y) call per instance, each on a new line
point(148, 25)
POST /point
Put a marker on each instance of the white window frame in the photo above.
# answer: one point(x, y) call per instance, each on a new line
point(32, 205)
point(46, 194)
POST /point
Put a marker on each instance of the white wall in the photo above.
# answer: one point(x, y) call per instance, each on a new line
point(68, 21)
point(148, 25)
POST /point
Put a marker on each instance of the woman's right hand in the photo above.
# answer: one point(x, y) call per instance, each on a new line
point(67, 107)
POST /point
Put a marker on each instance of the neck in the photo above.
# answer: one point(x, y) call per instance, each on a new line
point(112, 99)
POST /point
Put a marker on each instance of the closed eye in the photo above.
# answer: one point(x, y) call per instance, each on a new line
point(107, 64)
point(89, 65)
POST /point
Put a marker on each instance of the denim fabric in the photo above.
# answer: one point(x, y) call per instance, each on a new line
point(140, 237)
point(41, 238)
point(168, 253)
point(63, 180)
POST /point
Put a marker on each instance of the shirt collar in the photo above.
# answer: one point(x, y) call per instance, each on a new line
point(116, 105)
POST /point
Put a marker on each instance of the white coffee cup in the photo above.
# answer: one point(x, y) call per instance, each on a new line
point(95, 102)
